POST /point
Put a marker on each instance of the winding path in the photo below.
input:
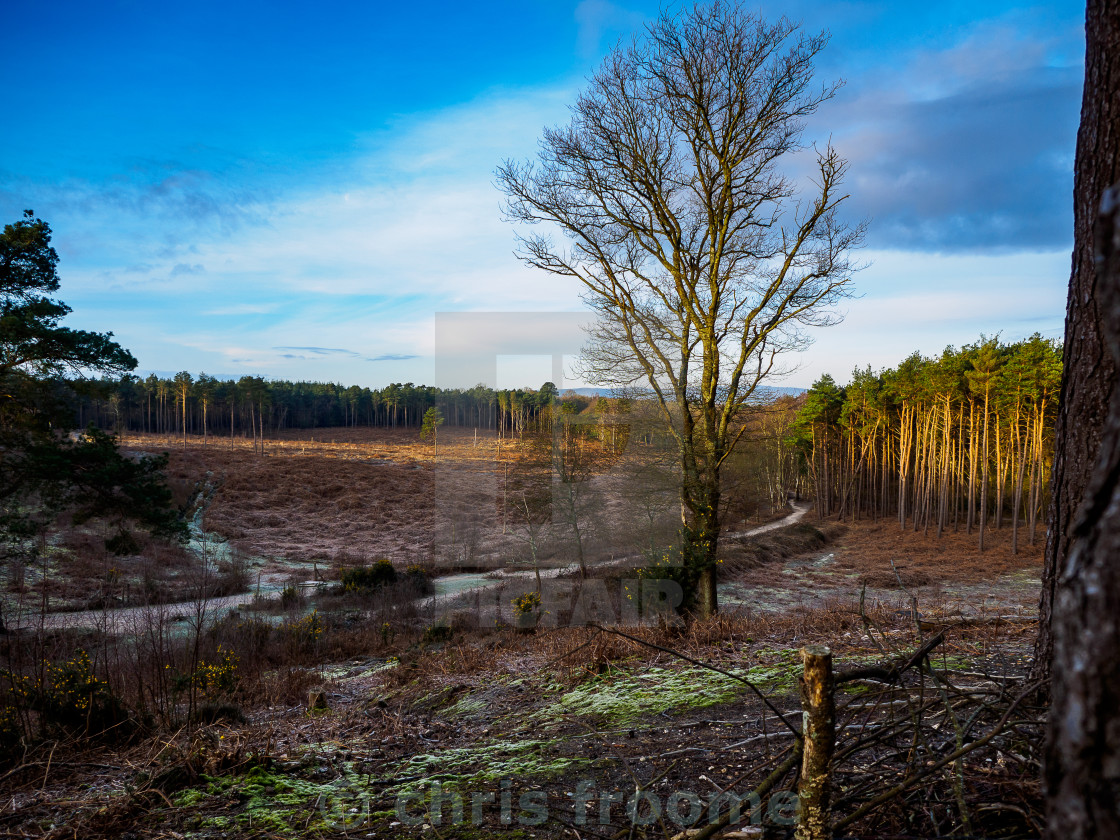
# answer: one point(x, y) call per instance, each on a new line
point(454, 586)
point(136, 619)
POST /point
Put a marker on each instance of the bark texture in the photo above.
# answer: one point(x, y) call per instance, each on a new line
point(818, 729)
point(1089, 376)
point(1083, 749)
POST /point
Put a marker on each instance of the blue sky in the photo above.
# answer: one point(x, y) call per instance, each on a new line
point(280, 189)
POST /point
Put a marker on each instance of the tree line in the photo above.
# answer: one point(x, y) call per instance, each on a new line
point(253, 406)
point(961, 440)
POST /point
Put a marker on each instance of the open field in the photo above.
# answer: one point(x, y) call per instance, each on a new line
point(347, 495)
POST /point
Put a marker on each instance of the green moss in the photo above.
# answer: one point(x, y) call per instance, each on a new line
point(189, 798)
point(487, 763)
point(628, 698)
point(465, 707)
point(274, 802)
point(262, 820)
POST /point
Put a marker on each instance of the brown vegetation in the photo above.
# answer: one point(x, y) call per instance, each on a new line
point(484, 687)
point(326, 687)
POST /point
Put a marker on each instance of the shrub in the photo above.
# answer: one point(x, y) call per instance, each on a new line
point(67, 696)
point(304, 632)
point(436, 633)
point(526, 609)
point(290, 597)
point(214, 679)
point(367, 578)
point(419, 579)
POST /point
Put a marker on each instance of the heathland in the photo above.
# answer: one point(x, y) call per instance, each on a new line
point(365, 625)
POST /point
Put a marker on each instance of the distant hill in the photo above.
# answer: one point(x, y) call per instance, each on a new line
point(764, 391)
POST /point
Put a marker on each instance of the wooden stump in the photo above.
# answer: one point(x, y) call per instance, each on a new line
point(818, 710)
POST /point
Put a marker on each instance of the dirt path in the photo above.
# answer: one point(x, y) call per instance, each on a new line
point(948, 575)
point(122, 620)
point(799, 511)
point(451, 587)
point(133, 619)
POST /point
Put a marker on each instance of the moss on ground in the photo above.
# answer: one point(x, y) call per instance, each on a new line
point(626, 699)
point(465, 707)
point(486, 763)
point(271, 801)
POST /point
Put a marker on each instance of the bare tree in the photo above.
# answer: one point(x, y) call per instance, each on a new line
point(701, 258)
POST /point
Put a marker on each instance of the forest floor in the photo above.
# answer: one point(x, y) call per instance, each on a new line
point(556, 731)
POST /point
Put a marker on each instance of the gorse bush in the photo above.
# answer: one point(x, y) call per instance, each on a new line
point(218, 678)
point(303, 633)
point(368, 578)
point(526, 610)
point(526, 604)
point(67, 697)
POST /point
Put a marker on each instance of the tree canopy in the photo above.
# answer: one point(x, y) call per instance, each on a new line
point(43, 366)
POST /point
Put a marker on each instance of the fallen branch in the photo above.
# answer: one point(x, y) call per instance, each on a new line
point(764, 788)
point(892, 673)
point(933, 768)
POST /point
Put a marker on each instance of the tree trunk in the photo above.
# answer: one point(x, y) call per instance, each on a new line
point(984, 474)
point(1082, 774)
point(701, 534)
point(818, 709)
point(1089, 371)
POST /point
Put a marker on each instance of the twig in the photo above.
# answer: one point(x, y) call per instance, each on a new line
point(933, 768)
point(867, 621)
point(47, 771)
point(760, 791)
point(702, 664)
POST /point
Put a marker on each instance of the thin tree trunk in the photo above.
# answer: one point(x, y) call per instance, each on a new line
point(984, 472)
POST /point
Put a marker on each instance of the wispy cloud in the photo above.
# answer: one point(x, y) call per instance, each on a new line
point(321, 351)
point(964, 149)
point(244, 309)
point(184, 268)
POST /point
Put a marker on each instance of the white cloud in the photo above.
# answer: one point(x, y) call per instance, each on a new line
point(916, 301)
